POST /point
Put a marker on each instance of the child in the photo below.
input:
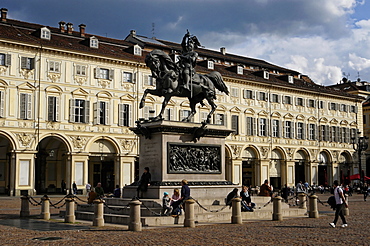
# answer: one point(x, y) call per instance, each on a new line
point(167, 209)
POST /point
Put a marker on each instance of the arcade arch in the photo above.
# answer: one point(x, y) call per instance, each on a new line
point(301, 166)
point(7, 184)
point(250, 161)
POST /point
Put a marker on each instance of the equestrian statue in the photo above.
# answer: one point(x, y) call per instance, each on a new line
point(179, 79)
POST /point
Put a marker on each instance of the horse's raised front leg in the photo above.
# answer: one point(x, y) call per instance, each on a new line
point(142, 101)
point(193, 103)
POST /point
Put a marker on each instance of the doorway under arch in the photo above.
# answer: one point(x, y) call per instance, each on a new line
point(249, 165)
point(275, 171)
point(323, 170)
point(6, 179)
point(301, 161)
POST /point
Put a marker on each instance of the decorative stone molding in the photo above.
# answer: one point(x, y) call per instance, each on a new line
point(80, 128)
point(236, 149)
point(290, 151)
point(127, 144)
point(79, 142)
point(3, 69)
point(103, 129)
point(25, 138)
point(335, 154)
point(313, 153)
point(80, 80)
point(54, 77)
point(52, 125)
point(103, 83)
point(26, 73)
point(127, 86)
point(264, 151)
point(24, 124)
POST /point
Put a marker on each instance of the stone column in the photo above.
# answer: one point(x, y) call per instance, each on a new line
point(276, 211)
point(236, 217)
point(302, 200)
point(346, 210)
point(70, 211)
point(98, 213)
point(189, 213)
point(25, 207)
point(313, 212)
point(45, 208)
point(135, 216)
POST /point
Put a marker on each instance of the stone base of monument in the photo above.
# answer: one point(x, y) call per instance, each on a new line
point(174, 151)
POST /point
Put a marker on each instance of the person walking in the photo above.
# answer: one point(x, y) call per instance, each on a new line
point(340, 204)
point(74, 187)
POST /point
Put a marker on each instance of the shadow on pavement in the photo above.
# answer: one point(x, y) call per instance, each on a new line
point(36, 225)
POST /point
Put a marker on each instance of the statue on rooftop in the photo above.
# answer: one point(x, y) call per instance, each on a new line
point(180, 79)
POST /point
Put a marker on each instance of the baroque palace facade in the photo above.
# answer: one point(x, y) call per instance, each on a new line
point(68, 99)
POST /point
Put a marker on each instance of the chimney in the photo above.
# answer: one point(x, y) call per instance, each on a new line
point(223, 50)
point(4, 12)
point(82, 29)
point(69, 28)
point(133, 33)
point(62, 26)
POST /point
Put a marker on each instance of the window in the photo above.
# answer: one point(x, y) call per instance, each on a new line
point(251, 126)
point(311, 103)
point(45, 33)
point(94, 42)
point(262, 96)
point(300, 130)
point(80, 70)
point(27, 63)
point(184, 114)
point(168, 114)
point(124, 115)
point(343, 108)
point(333, 106)
point(203, 116)
point(235, 124)
point(234, 92)
point(53, 108)
point(263, 127)
point(364, 119)
point(103, 73)
point(312, 132)
point(220, 119)
point(79, 111)
point(149, 80)
point(300, 101)
point(275, 98)
point(239, 69)
point(137, 50)
point(101, 113)
point(5, 59)
point(324, 133)
point(210, 64)
point(287, 99)
point(334, 134)
point(353, 109)
point(248, 94)
point(54, 67)
point(266, 74)
point(321, 104)
point(148, 112)
point(25, 106)
point(127, 77)
point(288, 129)
point(275, 128)
point(2, 100)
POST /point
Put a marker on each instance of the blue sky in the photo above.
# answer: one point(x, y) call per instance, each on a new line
point(320, 38)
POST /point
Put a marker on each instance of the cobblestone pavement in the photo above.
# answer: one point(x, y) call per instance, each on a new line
point(292, 231)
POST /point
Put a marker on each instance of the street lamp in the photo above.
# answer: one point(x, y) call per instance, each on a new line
point(362, 145)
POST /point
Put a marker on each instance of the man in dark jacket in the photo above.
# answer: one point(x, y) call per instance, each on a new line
point(144, 182)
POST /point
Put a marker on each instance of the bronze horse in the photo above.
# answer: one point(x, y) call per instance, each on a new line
point(168, 84)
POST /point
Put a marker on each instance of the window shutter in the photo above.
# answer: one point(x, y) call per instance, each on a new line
point(129, 109)
point(2, 94)
point(254, 127)
point(258, 130)
point(51, 108)
point(23, 62)
point(87, 112)
point(326, 137)
point(245, 94)
point(29, 106)
point(72, 105)
point(249, 126)
point(111, 74)
point(106, 113)
point(120, 114)
point(95, 113)
point(57, 108)
point(303, 131)
point(97, 73)
point(292, 135)
point(8, 59)
point(338, 134)
point(32, 63)
point(267, 127)
point(147, 108)
point(253, 94)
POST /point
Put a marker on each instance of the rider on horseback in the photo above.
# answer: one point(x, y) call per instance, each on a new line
point(188, 58)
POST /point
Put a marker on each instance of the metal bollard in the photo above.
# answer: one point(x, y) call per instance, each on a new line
point(346, 210)
point(70, 211)
point(313, 212)
point(302, 200)
point(25, 207)
point(135, 216)
point(276, 209)
point(189, 213)
point(98, 213)
point(236, 211)
point(45, 208)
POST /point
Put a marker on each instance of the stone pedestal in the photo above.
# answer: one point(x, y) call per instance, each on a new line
point(313, 212)
point(98, 213)
point(236, 217)
point(172, 153)
point(189, 213)
point(135, 216)
point(277, 210)
point(70, 211)
point(45, 208)
point(302, 200)
point(25, 207)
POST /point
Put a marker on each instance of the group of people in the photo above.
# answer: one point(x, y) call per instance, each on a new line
point(173, 205)
point(246, 204)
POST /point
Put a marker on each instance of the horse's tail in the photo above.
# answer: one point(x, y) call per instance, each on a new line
point(217, 80)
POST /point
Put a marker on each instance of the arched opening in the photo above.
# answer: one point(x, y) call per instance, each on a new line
point(300, 166)
point(249, 162)
point(5, 166)
point(323, 169)
point(275, 168)
point(102, 164)
point(50, 166)
point(345, 165)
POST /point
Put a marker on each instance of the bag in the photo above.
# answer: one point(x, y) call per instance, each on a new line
point(331, 201)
